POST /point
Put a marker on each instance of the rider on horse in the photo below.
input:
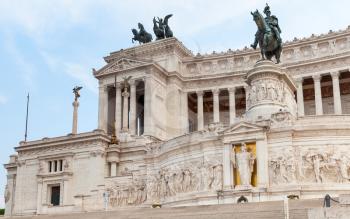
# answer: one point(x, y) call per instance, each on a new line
point(272, 21)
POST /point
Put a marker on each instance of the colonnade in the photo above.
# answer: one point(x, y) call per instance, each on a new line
point(318, 94)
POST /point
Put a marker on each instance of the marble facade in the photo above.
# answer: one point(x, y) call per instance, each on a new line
point(179, 122)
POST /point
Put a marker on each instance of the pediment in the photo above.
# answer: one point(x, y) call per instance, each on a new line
point(121, 65)
point(243, 128)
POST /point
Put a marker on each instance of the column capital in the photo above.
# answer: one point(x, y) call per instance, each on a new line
point(299, 80)
point(118, 85)
point(231, 89)
point(215, 91)
point(132, 82)
point(199, 93)
point(316, 77)
point(335, 74)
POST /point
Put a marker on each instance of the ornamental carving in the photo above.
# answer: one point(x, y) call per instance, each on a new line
point(266, 90)
point(310, 166)
point(199, 176)
point(126, 194)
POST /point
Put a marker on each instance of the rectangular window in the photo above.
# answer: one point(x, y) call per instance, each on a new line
point(55, 195)
point(50, 166)
point(55, 168)
point(61, 165)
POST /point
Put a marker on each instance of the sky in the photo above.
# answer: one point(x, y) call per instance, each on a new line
point(49, 46)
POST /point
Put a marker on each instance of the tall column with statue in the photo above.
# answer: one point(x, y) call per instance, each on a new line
point(76, 91)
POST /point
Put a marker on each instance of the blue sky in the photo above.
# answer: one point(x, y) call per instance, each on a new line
point(49, 46)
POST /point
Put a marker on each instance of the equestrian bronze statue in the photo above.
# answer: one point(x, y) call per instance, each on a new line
point(142, 36)
point(268, 35)
point(161, 28)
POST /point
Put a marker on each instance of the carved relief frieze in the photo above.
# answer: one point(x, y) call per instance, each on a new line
point(266, 90)
point(131, 192)
point(183, 178)
point(310, 165)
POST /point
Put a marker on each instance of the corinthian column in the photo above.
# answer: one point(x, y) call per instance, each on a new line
point(216, 110)
point(318, 95)
point(232, 104)
point(300, 97)
point(200, 118)
point(125, 109)
point(118, 109)
point(132, 124)
point(336, 93)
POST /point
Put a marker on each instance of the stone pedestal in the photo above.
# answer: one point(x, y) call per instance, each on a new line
point(270, 90)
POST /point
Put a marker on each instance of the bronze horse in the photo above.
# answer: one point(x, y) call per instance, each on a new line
point(268, 43)
point(142, 36)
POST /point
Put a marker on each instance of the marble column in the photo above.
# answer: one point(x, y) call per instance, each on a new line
point(300, 96)
point(118, 109)
point(232, 104)
point(39, 197)
point(216, 108)
point(200, 117)
point(227, 167)
point(318, 94)
point(125, 95)
point(52, 166)
point(262, 163)
point(11, 182)
point(336, 93)
point(132, 125)
point(75, 117)
point(246, 89)
point(148, 122)
point(65, 192)
point(184, 115)
point(113, 169)
point(102, 107)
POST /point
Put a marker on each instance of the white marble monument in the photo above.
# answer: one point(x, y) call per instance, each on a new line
point(178, 120)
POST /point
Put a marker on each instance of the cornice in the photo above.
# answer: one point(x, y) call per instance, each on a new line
point(96, 135)
point(169, 44)
point(286, 45)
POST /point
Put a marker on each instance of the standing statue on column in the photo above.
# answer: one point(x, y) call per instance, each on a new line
point(76, 91)
point(126, 83)
point(244, 163)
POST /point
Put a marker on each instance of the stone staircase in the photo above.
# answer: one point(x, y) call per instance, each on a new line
point(259, 210)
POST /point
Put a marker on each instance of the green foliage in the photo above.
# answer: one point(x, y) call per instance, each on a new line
point(2, 211)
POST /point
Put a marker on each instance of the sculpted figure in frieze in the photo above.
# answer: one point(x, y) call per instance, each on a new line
point(186, 180)
point(318, 163)
point(343, 164)
point(217, 178)
point(133, 194)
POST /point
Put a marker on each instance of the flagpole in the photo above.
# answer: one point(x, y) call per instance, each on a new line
point(26, 132)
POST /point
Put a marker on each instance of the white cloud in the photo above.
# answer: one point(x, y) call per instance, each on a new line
point(82, 74)
point(78, 71)
point(3, 99)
